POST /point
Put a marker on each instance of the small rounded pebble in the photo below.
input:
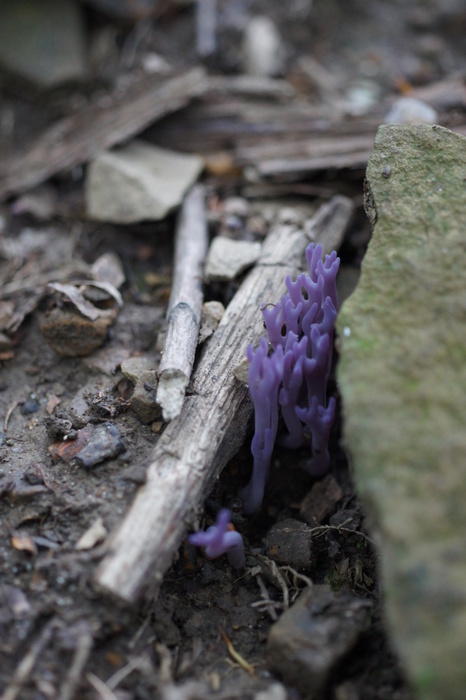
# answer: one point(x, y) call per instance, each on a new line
point(29, 407)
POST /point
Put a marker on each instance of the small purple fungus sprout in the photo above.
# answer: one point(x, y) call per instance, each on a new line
point(294, 376)
point(220, 539)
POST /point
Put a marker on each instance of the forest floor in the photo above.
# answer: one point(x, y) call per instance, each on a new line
point(205, 634)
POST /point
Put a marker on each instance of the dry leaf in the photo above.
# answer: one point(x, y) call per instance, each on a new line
point(23, 542)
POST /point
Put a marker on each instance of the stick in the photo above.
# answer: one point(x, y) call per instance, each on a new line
point(185, 305)
point(78, 138)
point(211, 427)
point(80, 659)
point(26, 666)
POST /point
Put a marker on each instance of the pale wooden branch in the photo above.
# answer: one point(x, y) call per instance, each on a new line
point(185, 305)
point(211, 427)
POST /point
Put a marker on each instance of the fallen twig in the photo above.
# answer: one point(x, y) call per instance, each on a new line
point(80, 659)
point(26, 666)
point(212, 425)
point(185, 305)
point(100, 687)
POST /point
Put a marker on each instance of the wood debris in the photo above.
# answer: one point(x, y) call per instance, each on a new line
point(185, 305)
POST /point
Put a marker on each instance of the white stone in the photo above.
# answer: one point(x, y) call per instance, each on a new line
point(227, 258)
point(408, 110)
point(138, 182)
point(263, 50)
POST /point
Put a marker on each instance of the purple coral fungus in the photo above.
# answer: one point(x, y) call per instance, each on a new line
point(221, 539)
point(294, 377)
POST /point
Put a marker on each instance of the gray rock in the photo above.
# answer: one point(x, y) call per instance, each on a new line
point(104, 444)
point(289, 542)
point(32, 48)
point(408, 110)
point(321, 501)
point(138, 182)
point(311, 638)
point(402, 375)
point(141, 372)
point(227, 258)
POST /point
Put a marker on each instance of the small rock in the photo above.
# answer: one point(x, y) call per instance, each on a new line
point(108, 268)
point(263, 51)
point(212, 312)
point(32, 48)
point(78, 408)
point(29, 407)
point(227, 258)
point(408, 110)
point(289, 542)
point(107, 359)
point(93, 535)
point(321, 501)
point(71, 334)
point(67, 449)
point(350, 519)
point(141, 372)
point(104, 444)
point(276, 691)
point(237, 206)
point(310, 639)
point(138, 182)
point(135, 367)
point(57, 427)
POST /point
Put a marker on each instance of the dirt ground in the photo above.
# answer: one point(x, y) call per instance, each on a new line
point(60, 637)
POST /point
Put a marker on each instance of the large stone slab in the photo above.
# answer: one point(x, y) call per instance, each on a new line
point(402, 375)
point(138, 182)
point(43, 42)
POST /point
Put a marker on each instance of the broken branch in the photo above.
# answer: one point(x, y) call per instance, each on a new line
point(185, 305)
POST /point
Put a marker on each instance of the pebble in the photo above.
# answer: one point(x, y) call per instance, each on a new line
point(312, 637)
point(408, 110)
point(29, 407)
point(289, 542)
point(104, 444)
point(141, 372)
point(321, 501)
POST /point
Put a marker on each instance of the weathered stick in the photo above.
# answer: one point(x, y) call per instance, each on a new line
point(185, 305)
point(78, 138)
point(212, 424)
